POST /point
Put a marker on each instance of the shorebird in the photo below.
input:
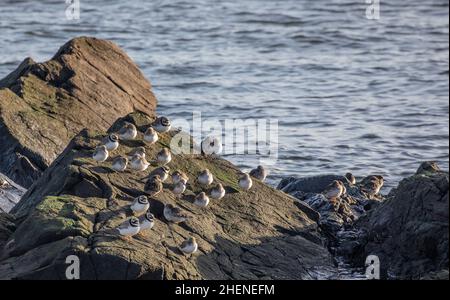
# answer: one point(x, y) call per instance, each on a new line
point(100, 154)
point(259, 173)
point(164, 156)
point(174, 214)
point(129, 228)
point(137, 151)
point(372, 184)
point(151, 136)
point(201, 200)
point(162, 124)
point(245, 182)
point(128, 132)
point(211, 145)
point(140, 205)
point(351, 179)
point(162, 172)
point(111, 142)
point(179, 189)
point(189, 246)
point(205, 177)
point(139, 163)
point(120, 163)
point(3, 183)
point(147, 221)
point(334, 190)
point(179, 176)
point(218, 192)
point(153, 186)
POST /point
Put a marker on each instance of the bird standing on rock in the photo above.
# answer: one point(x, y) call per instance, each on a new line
point(179, 176)
point(189, 246)
point(205, 177)
point(139, 163)
point(129, 228)
point(259, 173)
point(174, 214)
point(127, 132)
point(100, 154)
point(245, 182)
point(334, 190)
point(151, 136)
point(162, 124)
point(164, 156)
point(137, 151)
point(3, 183)
point(120, 163)
point(351, 179)
point(147, 221)
point(153, 186)
point(162, 172)
point(372, 184)
point(201, 200)
point(140, 205)
point(179, 188)
point(111, 142)
point(218, 192)
point(211, 145)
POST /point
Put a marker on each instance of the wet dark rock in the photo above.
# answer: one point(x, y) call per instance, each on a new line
point(88, 83)
point(409, 231)
point(10, 193)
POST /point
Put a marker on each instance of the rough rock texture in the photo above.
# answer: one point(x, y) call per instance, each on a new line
point(88, 83)
point(72, 208)
point(10, 193)
point(7, 227)
point(409, 231)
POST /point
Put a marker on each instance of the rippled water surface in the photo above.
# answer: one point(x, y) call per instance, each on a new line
point(351, 94)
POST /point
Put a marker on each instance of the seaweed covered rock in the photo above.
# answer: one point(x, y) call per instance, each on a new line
point(88, 83)
point(409, 231)
point(75, 205)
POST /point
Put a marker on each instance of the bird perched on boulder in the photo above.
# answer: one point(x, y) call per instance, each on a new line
point(139, 163)
point(162, 172)
point(100, 153)
point(189, 246)
point(245, 182)
point(162, 124)
point(201, 200)
point(140, 205)
point(147, 221)
point(153, 186)
point(164, 156)
point(120, 163)
point(137, 151)
point(111, 142)
point(151, 136)
point(129, 228)
point(351, 179)
point(127, 132)
point(372, 184)
point(3, 183)
point(334, 190)
point(174, 214)
point(205, 177)
point(179, 176)
point(179, 188)
point(211, 145)
point(218, 192)
point(259, 173)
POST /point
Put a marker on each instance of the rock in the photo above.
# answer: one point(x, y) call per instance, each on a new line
point(10, 193)
point(312, 184)
point(73, 207)
point(88, 83)
point(7, 227)
point(409, 231)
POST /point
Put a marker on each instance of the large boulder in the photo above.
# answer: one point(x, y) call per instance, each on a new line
point(73, 207)
point(88, 83)
point(409, 231)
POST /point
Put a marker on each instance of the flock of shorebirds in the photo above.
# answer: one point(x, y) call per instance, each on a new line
point(136, 160)
point(143, 219)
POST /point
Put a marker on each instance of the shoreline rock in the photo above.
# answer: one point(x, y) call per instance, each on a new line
point(10, 193)
point(88, 83)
